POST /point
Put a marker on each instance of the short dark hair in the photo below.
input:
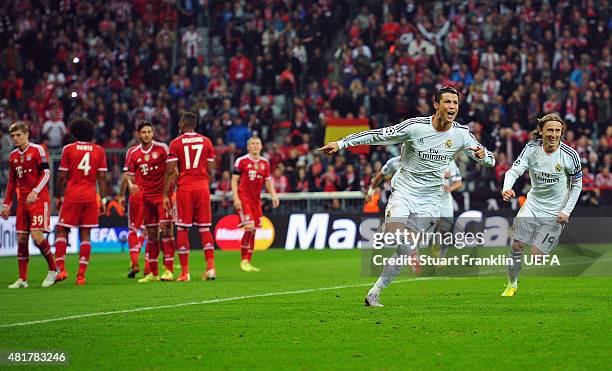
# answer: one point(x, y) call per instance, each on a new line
point(19, 126)
point(445, 89)
point(189, 120)
point(82, 129)
point(143, 124)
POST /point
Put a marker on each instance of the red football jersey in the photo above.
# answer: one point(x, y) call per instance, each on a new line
point(253, 173)
point(137, 176)
point(149, 165)
point(28, 170)
point(192, 152)
point(82, 161)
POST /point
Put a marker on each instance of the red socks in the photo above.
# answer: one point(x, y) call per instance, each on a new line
point(60, 252)
point(134, 244)
point(251, 246)
point(22, 258)
point(168, 248)
point(208, 246)
point(245, 245)
point(45, 250)
point(182, 240)
point(147, 268)
point(153, 254)
point(84, 254)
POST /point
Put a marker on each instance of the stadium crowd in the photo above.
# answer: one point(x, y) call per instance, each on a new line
point(287, 67)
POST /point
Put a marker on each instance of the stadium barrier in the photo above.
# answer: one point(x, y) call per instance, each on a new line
point(321, 230)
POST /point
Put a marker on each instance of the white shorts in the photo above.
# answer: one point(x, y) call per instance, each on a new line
point(418, 213)
point(446, 207)
point(536, 229)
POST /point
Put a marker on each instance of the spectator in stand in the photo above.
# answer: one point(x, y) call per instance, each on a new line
point(55, 130)
point(280, 181)
point(238, 134)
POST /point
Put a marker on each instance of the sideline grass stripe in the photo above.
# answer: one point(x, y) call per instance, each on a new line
point(211, 301)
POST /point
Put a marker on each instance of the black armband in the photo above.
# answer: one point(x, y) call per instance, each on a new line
point(43, 166)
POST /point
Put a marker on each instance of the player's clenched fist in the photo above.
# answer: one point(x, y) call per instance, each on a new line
point(5, 212)
point(329, 148)
point(479, 152)
point(508, 194)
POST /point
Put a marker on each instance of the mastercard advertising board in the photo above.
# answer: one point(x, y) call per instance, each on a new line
point(228, 235)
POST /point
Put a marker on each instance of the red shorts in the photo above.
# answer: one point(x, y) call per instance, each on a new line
point(154, 212)
point(33, 217)
point(78, 214)
point(251, 213)
point(135, 212)
point(193, 208)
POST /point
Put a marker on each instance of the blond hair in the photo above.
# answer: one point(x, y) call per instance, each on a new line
point(19, 126)
point(553, 116)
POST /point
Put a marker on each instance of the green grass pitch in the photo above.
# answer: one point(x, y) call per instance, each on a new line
point(453, 323)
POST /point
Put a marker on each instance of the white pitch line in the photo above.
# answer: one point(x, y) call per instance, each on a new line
point(211, 301)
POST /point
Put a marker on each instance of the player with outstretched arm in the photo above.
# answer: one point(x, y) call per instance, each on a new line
point(429, 144)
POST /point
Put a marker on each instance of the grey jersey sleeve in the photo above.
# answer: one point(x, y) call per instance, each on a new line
point(518, 168)
point(391, 166)
point(470, 141)
point(390, 135)
point(574, 174)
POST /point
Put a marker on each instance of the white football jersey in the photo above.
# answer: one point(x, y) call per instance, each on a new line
point(455, 176)
point(426, 152)
point(551, 176)
point(391, 166)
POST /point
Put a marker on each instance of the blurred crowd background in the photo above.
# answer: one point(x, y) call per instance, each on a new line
point(280, 69)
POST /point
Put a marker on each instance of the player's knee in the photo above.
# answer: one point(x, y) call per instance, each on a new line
point(152, 233)
point(166, 230)
point(518, 246)
point(22, 238)
point(60, 232)
point(37, 236)
point(537, 252)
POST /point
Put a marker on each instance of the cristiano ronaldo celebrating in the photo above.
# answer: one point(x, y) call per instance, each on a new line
point(429, 144)
point(556, 181)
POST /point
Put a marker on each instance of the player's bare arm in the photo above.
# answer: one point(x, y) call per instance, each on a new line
point(453, 187)
point(234, 184)
point(169, 178)
point(103, 186)
point(60, 187)
point(272, 192)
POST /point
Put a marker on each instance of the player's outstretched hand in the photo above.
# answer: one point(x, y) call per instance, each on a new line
point(238, 205)
point(167, 204)
point(275, 201)
point(32, 196)
point(562, 218)
point(330, 148)
point(479, 152)
point(508, 194)
point(121, 201)
point(5, 212)
point(134, 189)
